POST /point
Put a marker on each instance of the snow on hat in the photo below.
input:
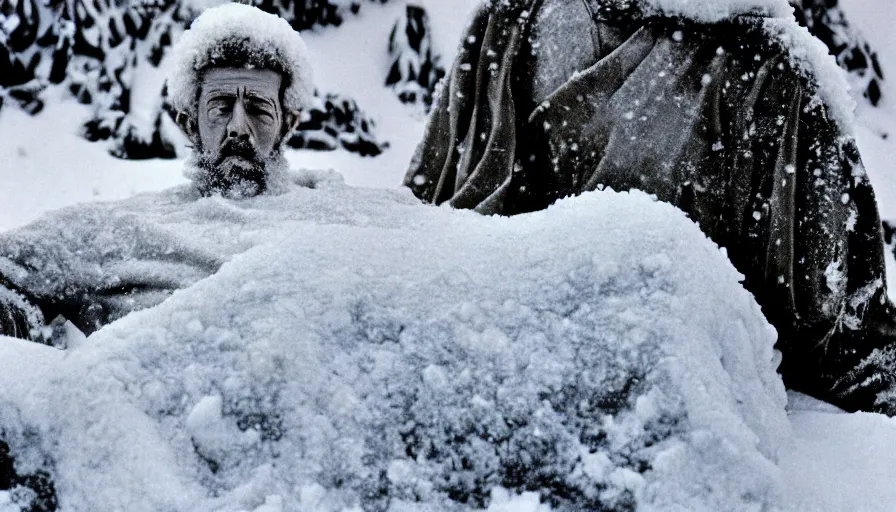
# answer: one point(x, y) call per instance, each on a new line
point(261, 40)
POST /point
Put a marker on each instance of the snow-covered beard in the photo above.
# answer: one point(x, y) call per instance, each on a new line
point(238, 172)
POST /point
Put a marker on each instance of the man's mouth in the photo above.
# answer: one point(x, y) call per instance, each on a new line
point(241, 150)
point(235, 159)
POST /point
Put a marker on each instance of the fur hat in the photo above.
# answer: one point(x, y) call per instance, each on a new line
point(237, 35)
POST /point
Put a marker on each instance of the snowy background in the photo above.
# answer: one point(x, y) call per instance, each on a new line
point(140, 412)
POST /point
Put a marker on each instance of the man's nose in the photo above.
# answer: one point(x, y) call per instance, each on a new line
point(238, 127)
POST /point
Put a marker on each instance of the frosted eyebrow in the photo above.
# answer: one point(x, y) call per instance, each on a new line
point(213, 93)
point(216, 95)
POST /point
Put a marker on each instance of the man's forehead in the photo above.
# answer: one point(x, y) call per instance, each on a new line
point(263, 81)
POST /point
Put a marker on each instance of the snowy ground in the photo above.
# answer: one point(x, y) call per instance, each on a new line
point(836, 462)
point(356, 334)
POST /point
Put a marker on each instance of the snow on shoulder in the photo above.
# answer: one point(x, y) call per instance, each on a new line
point(712, 11)
point(809, 55)
point(806, 52)
point(265, 39)
point(363, 351)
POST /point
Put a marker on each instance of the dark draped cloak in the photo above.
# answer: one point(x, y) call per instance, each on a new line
point(716, 119)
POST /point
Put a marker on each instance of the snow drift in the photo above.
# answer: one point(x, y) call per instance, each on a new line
point(358, 349)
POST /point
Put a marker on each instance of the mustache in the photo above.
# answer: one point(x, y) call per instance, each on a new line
point(239, 148)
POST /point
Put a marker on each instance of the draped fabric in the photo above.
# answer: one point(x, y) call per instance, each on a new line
point(715, 119)
point(92, 264)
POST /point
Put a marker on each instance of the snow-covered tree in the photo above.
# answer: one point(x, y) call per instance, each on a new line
point(415, 69)
point(335, 121)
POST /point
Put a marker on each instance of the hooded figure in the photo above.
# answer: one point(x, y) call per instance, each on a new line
point(735, 117)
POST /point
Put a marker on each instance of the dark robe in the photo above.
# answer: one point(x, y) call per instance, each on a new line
point(713, 118)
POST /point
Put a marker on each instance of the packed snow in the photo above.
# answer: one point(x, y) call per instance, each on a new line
point(832, 462)
point(45, 164)
point(852, 454)
point(383, 352)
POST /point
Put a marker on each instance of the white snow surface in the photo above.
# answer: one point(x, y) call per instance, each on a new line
point(833, 462)
point(358, 344)
point(261, 33)
point(854, 454)
point(711, 11)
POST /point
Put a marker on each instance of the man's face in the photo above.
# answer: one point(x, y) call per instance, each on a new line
point(240, 123)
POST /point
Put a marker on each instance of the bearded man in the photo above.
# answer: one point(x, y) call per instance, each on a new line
point(237, 95)
point(736, 117)
point(240, 78)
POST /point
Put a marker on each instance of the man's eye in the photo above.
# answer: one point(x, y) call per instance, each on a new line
point(260, 110)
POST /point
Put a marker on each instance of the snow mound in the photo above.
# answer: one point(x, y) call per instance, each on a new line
point(712, 11)
point(266, 38)
point(362, 350)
